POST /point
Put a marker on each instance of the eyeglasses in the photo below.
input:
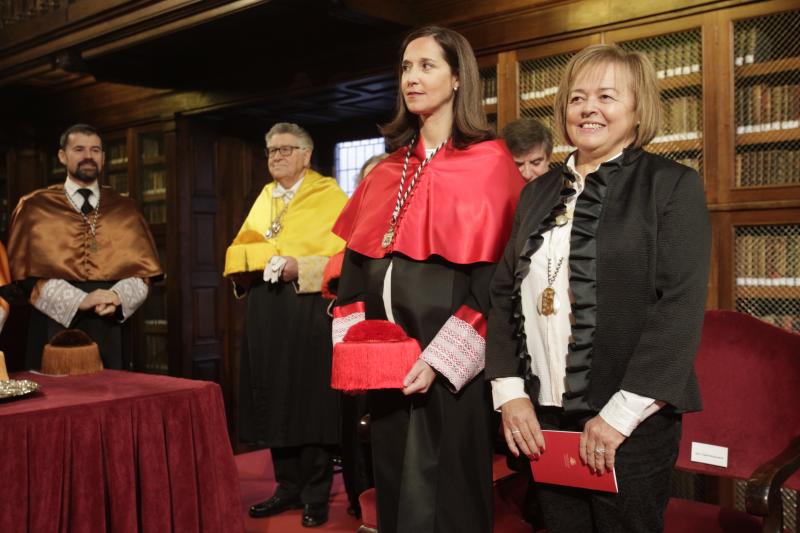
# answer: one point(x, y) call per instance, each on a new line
point(285, 151)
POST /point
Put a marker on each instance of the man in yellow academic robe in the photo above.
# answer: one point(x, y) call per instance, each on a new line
point(277, 259)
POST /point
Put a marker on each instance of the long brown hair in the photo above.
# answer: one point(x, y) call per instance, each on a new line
point(469, 119)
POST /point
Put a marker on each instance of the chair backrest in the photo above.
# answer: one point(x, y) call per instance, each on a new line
point(749, 374)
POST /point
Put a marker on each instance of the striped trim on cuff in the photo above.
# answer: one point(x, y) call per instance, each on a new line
point(458, 350)
point(344, 318)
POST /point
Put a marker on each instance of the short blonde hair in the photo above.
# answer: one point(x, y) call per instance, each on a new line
point(643, 85)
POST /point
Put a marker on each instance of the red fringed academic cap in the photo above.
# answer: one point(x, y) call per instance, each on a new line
point(375, 354)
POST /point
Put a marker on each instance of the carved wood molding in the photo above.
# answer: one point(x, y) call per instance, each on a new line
point(99, 26)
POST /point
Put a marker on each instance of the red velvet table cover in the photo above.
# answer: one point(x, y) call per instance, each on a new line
point(119, 452)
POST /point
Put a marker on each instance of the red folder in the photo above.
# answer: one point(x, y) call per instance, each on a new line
point(561, 464)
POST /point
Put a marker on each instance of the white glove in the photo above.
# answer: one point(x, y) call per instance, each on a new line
point(274, 269)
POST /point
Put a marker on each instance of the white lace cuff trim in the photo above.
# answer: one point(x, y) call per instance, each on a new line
point(59, 300)
point(344, 318)
point(457, 352)
point(132, 293)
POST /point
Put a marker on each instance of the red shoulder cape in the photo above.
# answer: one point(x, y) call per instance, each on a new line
point(461, 209)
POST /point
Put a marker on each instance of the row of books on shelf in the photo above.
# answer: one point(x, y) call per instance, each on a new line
point(767, 167)
point(118, 182)
point(768, 256)
point(768, 282)
point(675, 59)
point(764, 107)
point(158, 193)
point(156, 322)
point(151, 146)
point(540, 81)
point(155, 212)
point(155, 180)
point(117, 154)
point(489, 90)
point(754, 44)
point(155, 354)
point(682, 115)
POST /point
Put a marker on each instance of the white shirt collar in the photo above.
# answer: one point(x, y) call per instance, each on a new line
point(571, 165)
point(72, 190)
point(280, 192)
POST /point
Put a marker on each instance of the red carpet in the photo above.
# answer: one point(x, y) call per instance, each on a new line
point(258, 483)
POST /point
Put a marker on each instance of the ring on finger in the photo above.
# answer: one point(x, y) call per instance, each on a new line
point(515, 431)
point(599, 451)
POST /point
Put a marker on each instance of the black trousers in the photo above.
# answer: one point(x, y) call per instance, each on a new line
point(304, 472)
point(356, 454)
point(643, 466)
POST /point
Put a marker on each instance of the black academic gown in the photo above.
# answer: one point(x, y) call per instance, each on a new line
point(285, 393)
point(431, 452)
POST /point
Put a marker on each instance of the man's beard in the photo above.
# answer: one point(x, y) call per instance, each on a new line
point(88, 174)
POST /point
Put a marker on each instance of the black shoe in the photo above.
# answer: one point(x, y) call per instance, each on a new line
point(315, 514)
point(273, 506)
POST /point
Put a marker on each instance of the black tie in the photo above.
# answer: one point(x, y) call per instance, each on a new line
point(86, 208)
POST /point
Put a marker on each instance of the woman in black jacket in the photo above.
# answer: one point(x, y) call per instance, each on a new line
point(597, 305)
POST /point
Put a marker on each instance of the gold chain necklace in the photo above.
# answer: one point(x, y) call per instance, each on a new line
point(93, 224)
point(402, 196)
point(548, 300)
point(276, 226)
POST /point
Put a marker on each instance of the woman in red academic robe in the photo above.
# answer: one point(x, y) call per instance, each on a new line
point(423, 235)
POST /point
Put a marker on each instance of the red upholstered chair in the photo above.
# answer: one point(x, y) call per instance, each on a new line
point(749, 375)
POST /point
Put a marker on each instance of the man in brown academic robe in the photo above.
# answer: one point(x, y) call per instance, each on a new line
point(83, 251)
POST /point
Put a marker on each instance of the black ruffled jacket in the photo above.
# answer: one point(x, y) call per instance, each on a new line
point(639, 259)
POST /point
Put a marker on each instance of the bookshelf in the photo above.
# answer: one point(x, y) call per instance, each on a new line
point(152, 324)
point(765, 243)
point(766, 72)
point(538, 84)
point(116, 164)
point(677, 58)
point(151, 175)
point(489, 92)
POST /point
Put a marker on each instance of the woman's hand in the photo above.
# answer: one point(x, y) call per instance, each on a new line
point(521, 428)
point(419, 378)
point(599, 443)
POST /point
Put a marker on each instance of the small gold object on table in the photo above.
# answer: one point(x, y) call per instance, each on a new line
point(11, 388)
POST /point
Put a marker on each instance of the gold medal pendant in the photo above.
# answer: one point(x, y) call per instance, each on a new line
point(387, 238)
point(548, 303)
